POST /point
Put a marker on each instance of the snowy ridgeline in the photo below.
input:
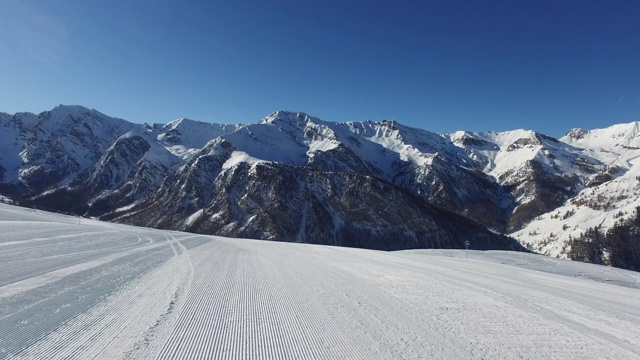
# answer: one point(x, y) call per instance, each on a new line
point(79, 288)
point(540, 190)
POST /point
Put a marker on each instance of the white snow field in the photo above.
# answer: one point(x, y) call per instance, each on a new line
point(77, 288)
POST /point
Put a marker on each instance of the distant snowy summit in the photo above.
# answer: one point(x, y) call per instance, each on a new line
point(294, 177)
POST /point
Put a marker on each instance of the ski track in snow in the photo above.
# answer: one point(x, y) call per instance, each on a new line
point(115, 292)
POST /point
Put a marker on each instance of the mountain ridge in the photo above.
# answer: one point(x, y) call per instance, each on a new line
point(511, 181)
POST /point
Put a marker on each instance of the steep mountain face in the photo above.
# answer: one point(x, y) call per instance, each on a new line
point(294, 177)
point(265, 200)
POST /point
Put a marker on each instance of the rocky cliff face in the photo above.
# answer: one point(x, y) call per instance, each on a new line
point(293, 177)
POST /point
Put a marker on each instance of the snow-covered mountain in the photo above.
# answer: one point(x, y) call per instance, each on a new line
point(608, 196)
point(294, 177)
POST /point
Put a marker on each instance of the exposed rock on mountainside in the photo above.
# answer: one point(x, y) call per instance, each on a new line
point(299, 204)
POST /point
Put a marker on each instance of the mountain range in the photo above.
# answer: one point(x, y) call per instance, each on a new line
point(293, 177)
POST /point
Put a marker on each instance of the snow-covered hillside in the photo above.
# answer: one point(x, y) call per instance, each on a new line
point(77, 288)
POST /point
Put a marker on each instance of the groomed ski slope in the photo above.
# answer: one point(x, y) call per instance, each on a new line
point(77, 288)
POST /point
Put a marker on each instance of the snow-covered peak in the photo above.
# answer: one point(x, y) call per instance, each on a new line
point(621, 136)
point(68, 115)
point(295, 119)
point(617, 145)
point(69, 110)
point(176, 123)
point(64, 118)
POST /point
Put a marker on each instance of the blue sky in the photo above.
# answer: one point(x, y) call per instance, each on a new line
point(438, 65)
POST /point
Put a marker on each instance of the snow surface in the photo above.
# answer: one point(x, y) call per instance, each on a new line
point(240, 157)
point(77, 288)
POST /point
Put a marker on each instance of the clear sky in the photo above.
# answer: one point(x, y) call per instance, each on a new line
point(438, 65)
